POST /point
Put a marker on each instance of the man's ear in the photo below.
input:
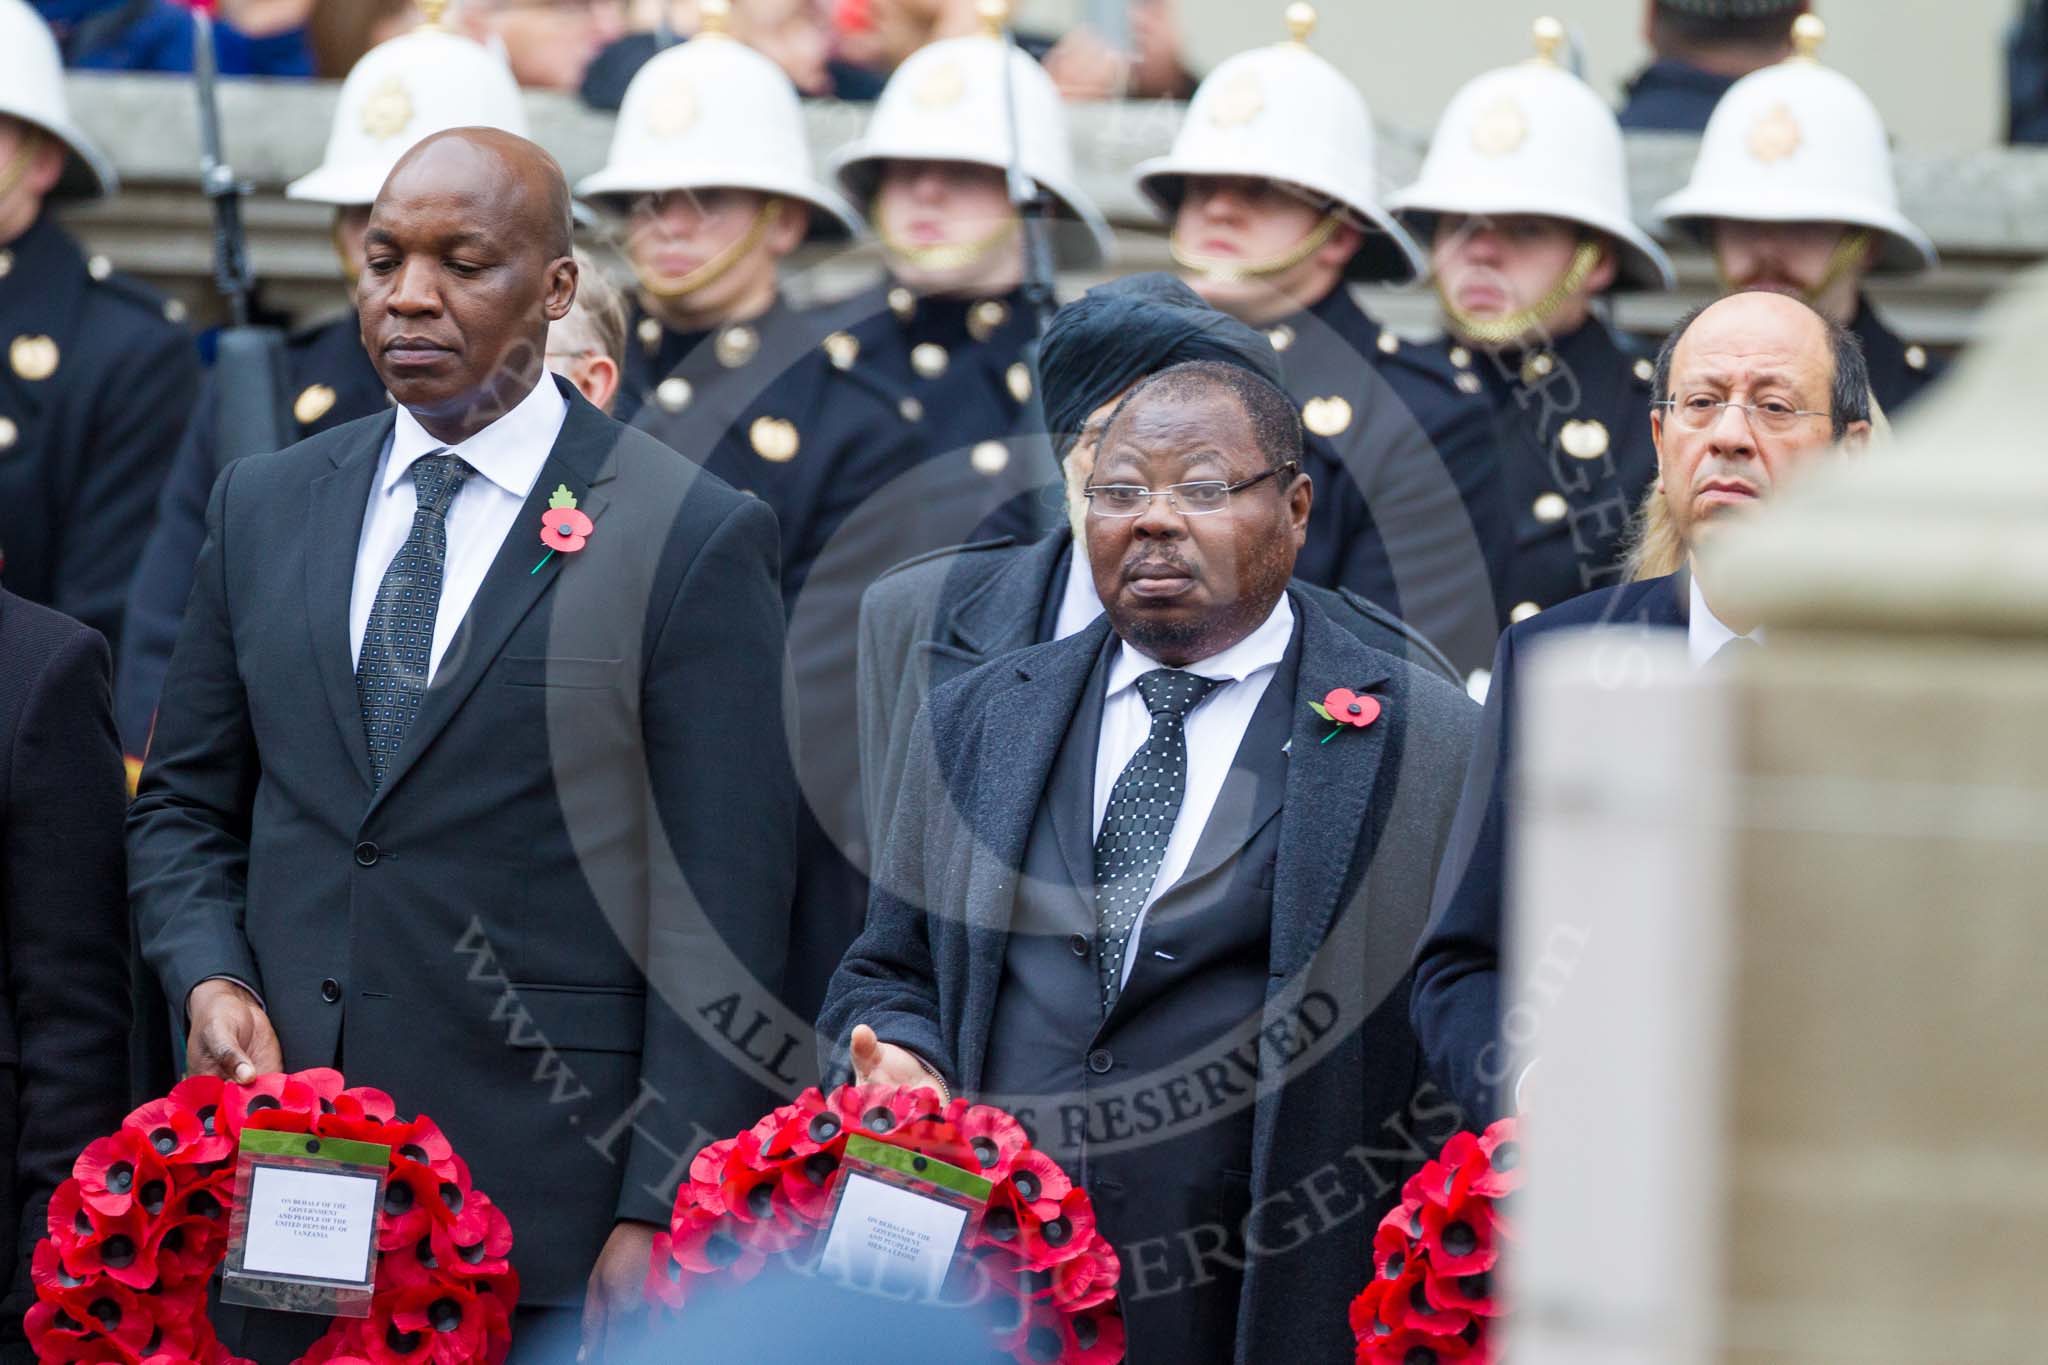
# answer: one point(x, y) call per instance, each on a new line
point(1855, 440)
point(46, 167)
point(1657, 440)
point(1342, 246)
point(1301, 497)
point(1604, 273)
point(561, 295)
point(790, 228)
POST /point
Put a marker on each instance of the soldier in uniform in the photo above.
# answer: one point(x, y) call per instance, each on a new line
point(1793, 191)
point(710, 174)
point(1270, 189)
point(951, 323)
point(1524, 201)
point(97, 375)
point(401, 90)
point(1701, 48)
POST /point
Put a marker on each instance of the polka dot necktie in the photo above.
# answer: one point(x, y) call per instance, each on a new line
point(1139, 819)
point(398, 643)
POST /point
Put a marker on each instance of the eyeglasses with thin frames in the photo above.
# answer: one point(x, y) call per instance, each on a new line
point(1699, 412)
point(1202, 498)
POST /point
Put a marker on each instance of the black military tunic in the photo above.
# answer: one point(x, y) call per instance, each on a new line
point(962, 362)
point(1672, 97)
point(331, 381)
point(1407, 511)
point(1898, 371)
point(1573, 423)
point(777, 406)
point(94, 390)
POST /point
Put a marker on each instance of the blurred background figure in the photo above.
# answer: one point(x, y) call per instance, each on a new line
point(797, 35)
point(549, 44)
point(413, 85)
point(1271, 192)
point(710, 180)
point(1131, 50)
point(1701, 47)
point(96, 379)
point(1793, 192)
point(341, 31)
point(64, 935)
point(254, 37)
point(950, 325)
point(2026, 74)
point(1524, 201)
point(588, 347)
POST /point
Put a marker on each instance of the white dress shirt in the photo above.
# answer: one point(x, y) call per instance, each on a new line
point(507, 456)
point(1215, 729)
point(1079, 606)
point(1704, 632)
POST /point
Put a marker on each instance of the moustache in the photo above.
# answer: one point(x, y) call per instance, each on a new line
point(1153, 564)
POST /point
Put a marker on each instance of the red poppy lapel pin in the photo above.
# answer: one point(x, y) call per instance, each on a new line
point(1346, 710)
point(563, 528)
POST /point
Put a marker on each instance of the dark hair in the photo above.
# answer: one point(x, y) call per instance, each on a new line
point(1751, 24)
point(1276, 426)
point(1849, 399)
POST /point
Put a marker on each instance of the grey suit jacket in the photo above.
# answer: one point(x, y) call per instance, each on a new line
point(1364, 819)
point(934, 617)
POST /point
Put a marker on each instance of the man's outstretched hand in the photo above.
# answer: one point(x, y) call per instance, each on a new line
point(880, 1063)
point(228, 1034)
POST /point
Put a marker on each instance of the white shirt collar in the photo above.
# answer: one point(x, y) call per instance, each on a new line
point(1079, 606)
point(1704, 631)
point(1263, 648)
point(509, 452)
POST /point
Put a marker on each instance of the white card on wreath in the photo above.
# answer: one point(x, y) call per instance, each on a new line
point(315, 1225)
point(891, 1240)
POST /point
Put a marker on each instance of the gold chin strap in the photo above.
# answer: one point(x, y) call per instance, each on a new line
point(16, 169)
point(1506, 331)
point(1846, 257)
point(950, 256)
point(1230, 271)
point(681, 286)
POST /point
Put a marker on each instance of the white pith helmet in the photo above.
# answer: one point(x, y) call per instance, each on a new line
point(401, 91)
point(713, 113)
point(1799, 143)
point(947, 103)
point(32, 90)
point(1284, 114)
point(1535, 139)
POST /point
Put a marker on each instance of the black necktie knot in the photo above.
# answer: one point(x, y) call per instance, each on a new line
point(436, 479)
point(1171, 692)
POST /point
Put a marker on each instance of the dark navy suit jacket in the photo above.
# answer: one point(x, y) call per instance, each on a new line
point(1457, 972)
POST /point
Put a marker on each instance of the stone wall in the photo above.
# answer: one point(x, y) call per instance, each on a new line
point(1987, 210)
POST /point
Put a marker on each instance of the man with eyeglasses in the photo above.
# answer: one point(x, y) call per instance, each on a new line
point(937, 616)
point(1271, 193)
point(1747, 392)
point(1088, 913)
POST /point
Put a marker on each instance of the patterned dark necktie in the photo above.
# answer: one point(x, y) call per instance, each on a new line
point(1138, 822)
point(398, 643)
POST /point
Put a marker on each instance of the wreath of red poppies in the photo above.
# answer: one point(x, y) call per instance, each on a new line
point(141, 1226)
point(1432, 1298)
point(768, 1194)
